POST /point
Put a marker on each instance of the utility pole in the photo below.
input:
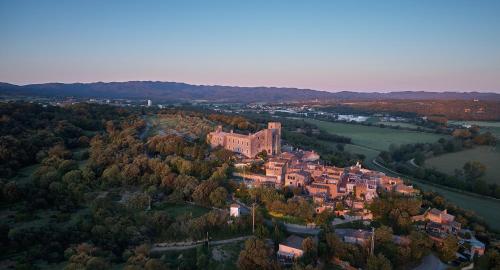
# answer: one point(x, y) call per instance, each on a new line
point(372, 248)
point(253, 218)
point(208, 242)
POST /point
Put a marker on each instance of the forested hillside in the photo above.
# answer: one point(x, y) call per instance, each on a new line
point(101, 187)
point(93, 210)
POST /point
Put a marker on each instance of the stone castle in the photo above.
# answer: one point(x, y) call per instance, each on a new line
point(268, 140)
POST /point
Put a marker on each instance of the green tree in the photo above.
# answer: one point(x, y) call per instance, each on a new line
point(379, 262)
point(255, 255)
point(449, 248)
point(383, 234)
point(202, 259)
point(261, 232)
point(155, 264)
point(490, 260)
point(218, 197)
point(420, 245)
point(474, 170)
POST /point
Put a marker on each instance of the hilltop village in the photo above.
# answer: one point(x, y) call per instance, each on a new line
point(348, 192)
point(140, 188)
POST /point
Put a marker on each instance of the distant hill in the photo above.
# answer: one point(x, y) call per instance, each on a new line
point(173, 91)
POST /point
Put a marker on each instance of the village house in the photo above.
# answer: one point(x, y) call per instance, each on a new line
point(365, 190)
point(317, 190)
point(235, 210)
point(353, 236)
point(290, 250)
point(324, 207)
point(473, 247)
point(297, 179)
point(405, 190)
point(388, 183)
point(276, 167)
point(258, 180)
point(438, 216)
point(439, 222)
point(309, 156)
point(397, 185)
point(290, 157)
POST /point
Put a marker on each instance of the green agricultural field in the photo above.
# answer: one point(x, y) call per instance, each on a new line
point(487, 155)
point(376, 138)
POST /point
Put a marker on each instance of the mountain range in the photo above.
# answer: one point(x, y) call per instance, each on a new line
point(174, 91)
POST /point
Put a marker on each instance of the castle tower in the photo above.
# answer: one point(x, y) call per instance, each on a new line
point(275, 128)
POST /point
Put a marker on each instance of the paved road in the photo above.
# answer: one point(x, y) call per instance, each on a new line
point(431, 262)
point(412, 162)
point(183, 245)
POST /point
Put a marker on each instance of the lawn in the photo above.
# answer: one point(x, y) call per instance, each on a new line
point(487, 155)
point(179, 209)
point(373, 137)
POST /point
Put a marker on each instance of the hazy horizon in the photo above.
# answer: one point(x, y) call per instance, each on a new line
point(326, 45)
point(256, 86)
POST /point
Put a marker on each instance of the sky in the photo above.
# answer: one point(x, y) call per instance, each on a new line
point(424, 45)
